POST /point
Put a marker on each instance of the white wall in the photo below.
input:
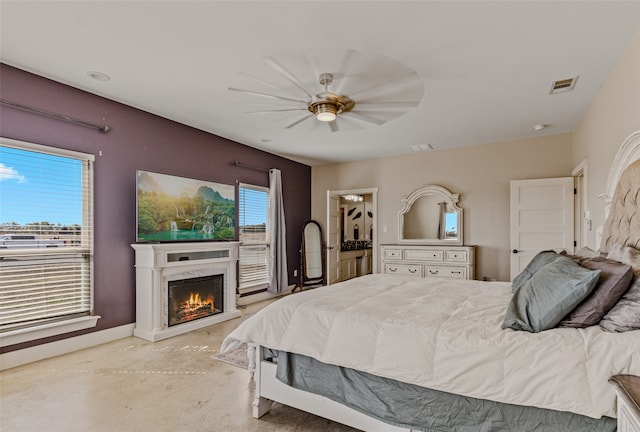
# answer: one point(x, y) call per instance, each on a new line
point(612, 116)
point(480, 174)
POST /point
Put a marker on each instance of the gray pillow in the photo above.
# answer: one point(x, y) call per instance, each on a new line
point(549, 295)
point(583, 254)
point(625, 315)
point(540, 260)
point(614, 281)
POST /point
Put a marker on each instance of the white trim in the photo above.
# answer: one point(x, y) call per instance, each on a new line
point(52, 349)
point(374, 206)
point(46, 149)
point(55, 328)
point(258, 297)
point(583, 221)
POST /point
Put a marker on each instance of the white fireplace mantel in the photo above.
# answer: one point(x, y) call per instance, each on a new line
point(156, 263)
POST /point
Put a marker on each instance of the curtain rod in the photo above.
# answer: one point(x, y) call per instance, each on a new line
point(103, 129)
point(251, 167)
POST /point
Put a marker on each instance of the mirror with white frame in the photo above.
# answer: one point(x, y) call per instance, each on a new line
point(430, 215)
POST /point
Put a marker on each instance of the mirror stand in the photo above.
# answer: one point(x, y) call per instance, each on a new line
point(311, 257)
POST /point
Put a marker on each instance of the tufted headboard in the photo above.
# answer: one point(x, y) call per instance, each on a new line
point(623, 221)
point(623, 224)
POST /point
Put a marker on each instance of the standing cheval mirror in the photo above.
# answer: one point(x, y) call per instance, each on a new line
point(311, 256)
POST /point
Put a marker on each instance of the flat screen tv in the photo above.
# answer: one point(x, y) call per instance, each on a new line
point(171, 208)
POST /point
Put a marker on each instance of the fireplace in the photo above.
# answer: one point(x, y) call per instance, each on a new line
point(182, 287)
point(194, 298)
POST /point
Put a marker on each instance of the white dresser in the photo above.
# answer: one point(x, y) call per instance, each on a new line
point(456, 262)
point(628, 390)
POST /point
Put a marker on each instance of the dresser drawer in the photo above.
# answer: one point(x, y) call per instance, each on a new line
point(393, 254)
point(446, 261)
point(424, 254)
point(445, 272)
point(404, 269)
point(456, 256)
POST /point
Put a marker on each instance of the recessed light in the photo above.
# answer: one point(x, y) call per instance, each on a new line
point(99, 76)
point(539, 127)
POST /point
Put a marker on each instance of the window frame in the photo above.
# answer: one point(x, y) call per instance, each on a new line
point(260, 286)
point(73, 322)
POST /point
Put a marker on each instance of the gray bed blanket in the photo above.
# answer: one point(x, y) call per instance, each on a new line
point(419, 408)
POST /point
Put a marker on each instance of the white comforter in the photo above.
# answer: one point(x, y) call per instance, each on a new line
point(446, 335)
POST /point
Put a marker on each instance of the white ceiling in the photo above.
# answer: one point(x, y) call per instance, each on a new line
point(485, 68)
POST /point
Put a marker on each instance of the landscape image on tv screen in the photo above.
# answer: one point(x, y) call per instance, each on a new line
point(171, 208)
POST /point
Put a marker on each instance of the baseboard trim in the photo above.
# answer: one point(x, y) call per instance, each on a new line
point(40, 352)
point(260, 296)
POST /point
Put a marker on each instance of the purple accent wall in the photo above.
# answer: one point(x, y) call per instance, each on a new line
point(137, 140)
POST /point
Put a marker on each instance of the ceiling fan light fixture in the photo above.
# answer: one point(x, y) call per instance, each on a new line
point(326, 112)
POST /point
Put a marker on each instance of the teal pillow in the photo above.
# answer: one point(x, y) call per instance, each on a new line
point(540, 260)
point(549, 295)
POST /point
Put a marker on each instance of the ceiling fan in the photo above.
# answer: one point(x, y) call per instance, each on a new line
point(374, 100)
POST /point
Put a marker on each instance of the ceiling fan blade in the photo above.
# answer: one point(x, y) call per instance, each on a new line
point(333, 125)
point(257, 93)
point(263, 81)
point(363, 117)
point(275, 110)
point(398, 81)
point(341, 73)
point(288, 75)
point(297, 122)
point(370, 106)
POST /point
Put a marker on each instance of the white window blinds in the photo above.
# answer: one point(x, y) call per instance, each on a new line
point(46, 249)
point(254, 238)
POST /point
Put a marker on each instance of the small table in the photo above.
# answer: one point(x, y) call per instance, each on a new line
point(628, 391)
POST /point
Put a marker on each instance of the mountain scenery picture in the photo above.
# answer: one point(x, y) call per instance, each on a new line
point(171, 208)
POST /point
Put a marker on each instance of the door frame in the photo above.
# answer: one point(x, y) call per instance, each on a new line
point(374, 206)
point(582, 213)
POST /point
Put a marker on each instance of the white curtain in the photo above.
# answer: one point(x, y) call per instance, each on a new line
point(278, 276)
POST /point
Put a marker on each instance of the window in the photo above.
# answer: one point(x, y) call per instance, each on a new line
point(46, 250)
point(254, 238)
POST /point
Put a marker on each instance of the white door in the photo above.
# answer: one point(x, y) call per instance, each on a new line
point(542, 218)
point(333, 239)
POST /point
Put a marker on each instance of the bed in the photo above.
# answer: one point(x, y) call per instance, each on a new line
point(393, 353)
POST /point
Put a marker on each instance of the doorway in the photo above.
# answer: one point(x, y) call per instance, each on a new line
point(542, 217)
point(343, 227)
point(582, 216)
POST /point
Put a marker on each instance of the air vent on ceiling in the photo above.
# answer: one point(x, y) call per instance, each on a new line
point(421, 147)
point(564, 85)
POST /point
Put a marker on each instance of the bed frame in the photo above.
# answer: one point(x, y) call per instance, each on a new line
point(270, 390)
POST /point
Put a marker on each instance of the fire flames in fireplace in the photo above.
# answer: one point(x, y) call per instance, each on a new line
point(194, 298)
point(194, 307)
